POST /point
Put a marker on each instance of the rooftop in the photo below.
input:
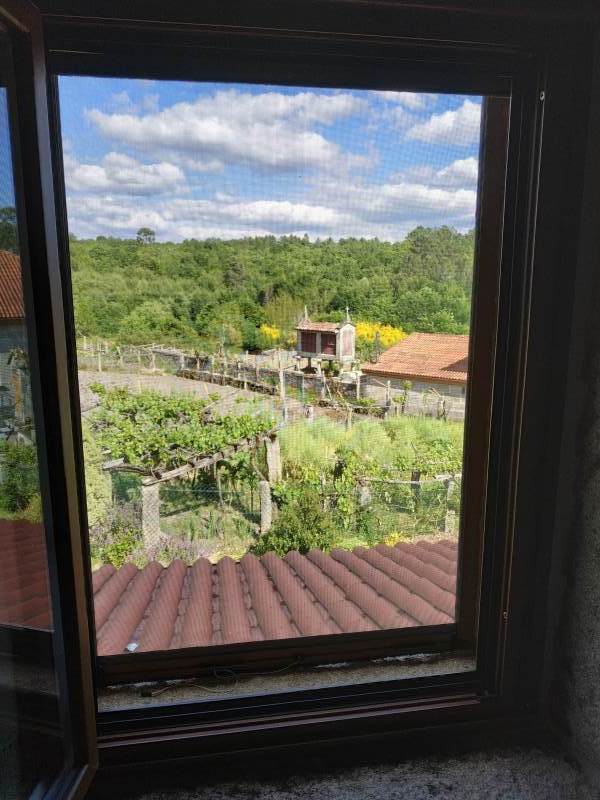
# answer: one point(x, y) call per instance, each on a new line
point(435, 356)
point(11, 287)
point(23, 576)
point(255, 599)
point(305, 323)
point(327, 327)
point(265, 598)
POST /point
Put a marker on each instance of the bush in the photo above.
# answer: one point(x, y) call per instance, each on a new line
point(34, 511)
point(20, 481)
point(375, 525)
point(117, 539)
point(301, 525)
point(98, 489)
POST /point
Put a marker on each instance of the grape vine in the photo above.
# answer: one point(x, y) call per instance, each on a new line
point(155, 431)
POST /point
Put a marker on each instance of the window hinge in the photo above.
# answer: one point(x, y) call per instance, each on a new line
point(505, 616)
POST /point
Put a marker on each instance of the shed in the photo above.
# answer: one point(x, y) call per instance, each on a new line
point(329, 341)
point(429, 369)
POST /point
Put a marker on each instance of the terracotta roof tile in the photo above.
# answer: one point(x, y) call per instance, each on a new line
point(328, 327)
point(434, 356)
point(271, 597)
point(11, 287)
point(24, 591)
point(161, 608)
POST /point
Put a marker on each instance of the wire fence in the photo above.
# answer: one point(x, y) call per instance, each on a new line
point(216, 515)
point(273, 373)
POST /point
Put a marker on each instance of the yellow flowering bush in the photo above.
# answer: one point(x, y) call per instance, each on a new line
point(270, 332)
point(366, 333)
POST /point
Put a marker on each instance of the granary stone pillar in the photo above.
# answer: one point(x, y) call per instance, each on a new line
point(150, 514)
point(266, 506)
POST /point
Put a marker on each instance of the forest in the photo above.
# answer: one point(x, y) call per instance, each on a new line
point(201, 294)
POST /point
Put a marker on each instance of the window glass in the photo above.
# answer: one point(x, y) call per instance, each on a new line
point(272, 292)
point(31, 748)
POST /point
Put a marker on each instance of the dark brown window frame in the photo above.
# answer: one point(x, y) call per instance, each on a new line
point(462, 635)
point(66, 651)
point(224, 52)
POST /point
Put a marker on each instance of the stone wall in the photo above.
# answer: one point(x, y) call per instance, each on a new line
point(422, 398)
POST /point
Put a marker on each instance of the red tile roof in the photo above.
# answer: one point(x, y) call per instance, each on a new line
point(327, 327)
point(256, 599)
point(11, 287)
point(24, 592)
point(435, 356)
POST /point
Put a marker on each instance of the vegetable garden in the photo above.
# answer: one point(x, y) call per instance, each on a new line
point(338, 485)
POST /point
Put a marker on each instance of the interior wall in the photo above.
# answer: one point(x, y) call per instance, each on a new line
point(573, 651)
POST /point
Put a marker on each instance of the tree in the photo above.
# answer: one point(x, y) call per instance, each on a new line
point(8, 229)
point(420, 284)
point(145, 236)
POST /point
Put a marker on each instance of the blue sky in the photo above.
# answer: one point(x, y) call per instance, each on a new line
point(227, 160)
point(7, 193)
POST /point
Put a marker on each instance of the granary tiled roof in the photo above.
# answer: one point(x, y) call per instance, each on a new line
point(11, 287)
point(324, 327)
point(434, 356)
point(270, 597)
point(24, 593)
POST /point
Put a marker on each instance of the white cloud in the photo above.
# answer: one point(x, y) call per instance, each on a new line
point(388, 210)
point(269, 130)
point(461, 173)
point(122, 102)
point(414, 101)
point(457, 127)
point(168, 186)
point(150, 102)
point(119, 173)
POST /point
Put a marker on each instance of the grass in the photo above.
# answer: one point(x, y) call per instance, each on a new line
point(437, 443)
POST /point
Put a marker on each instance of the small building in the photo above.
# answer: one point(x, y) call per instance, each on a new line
point(326, 341)
point(430, 369)
point(15, 396)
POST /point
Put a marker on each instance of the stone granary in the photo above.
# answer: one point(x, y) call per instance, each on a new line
point(326, 341)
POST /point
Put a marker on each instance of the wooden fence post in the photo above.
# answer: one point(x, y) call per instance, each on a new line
point(282, 397)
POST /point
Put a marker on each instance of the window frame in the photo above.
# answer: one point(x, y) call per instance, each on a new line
point(66, 650)
point(225, 53)
point(461, 635)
